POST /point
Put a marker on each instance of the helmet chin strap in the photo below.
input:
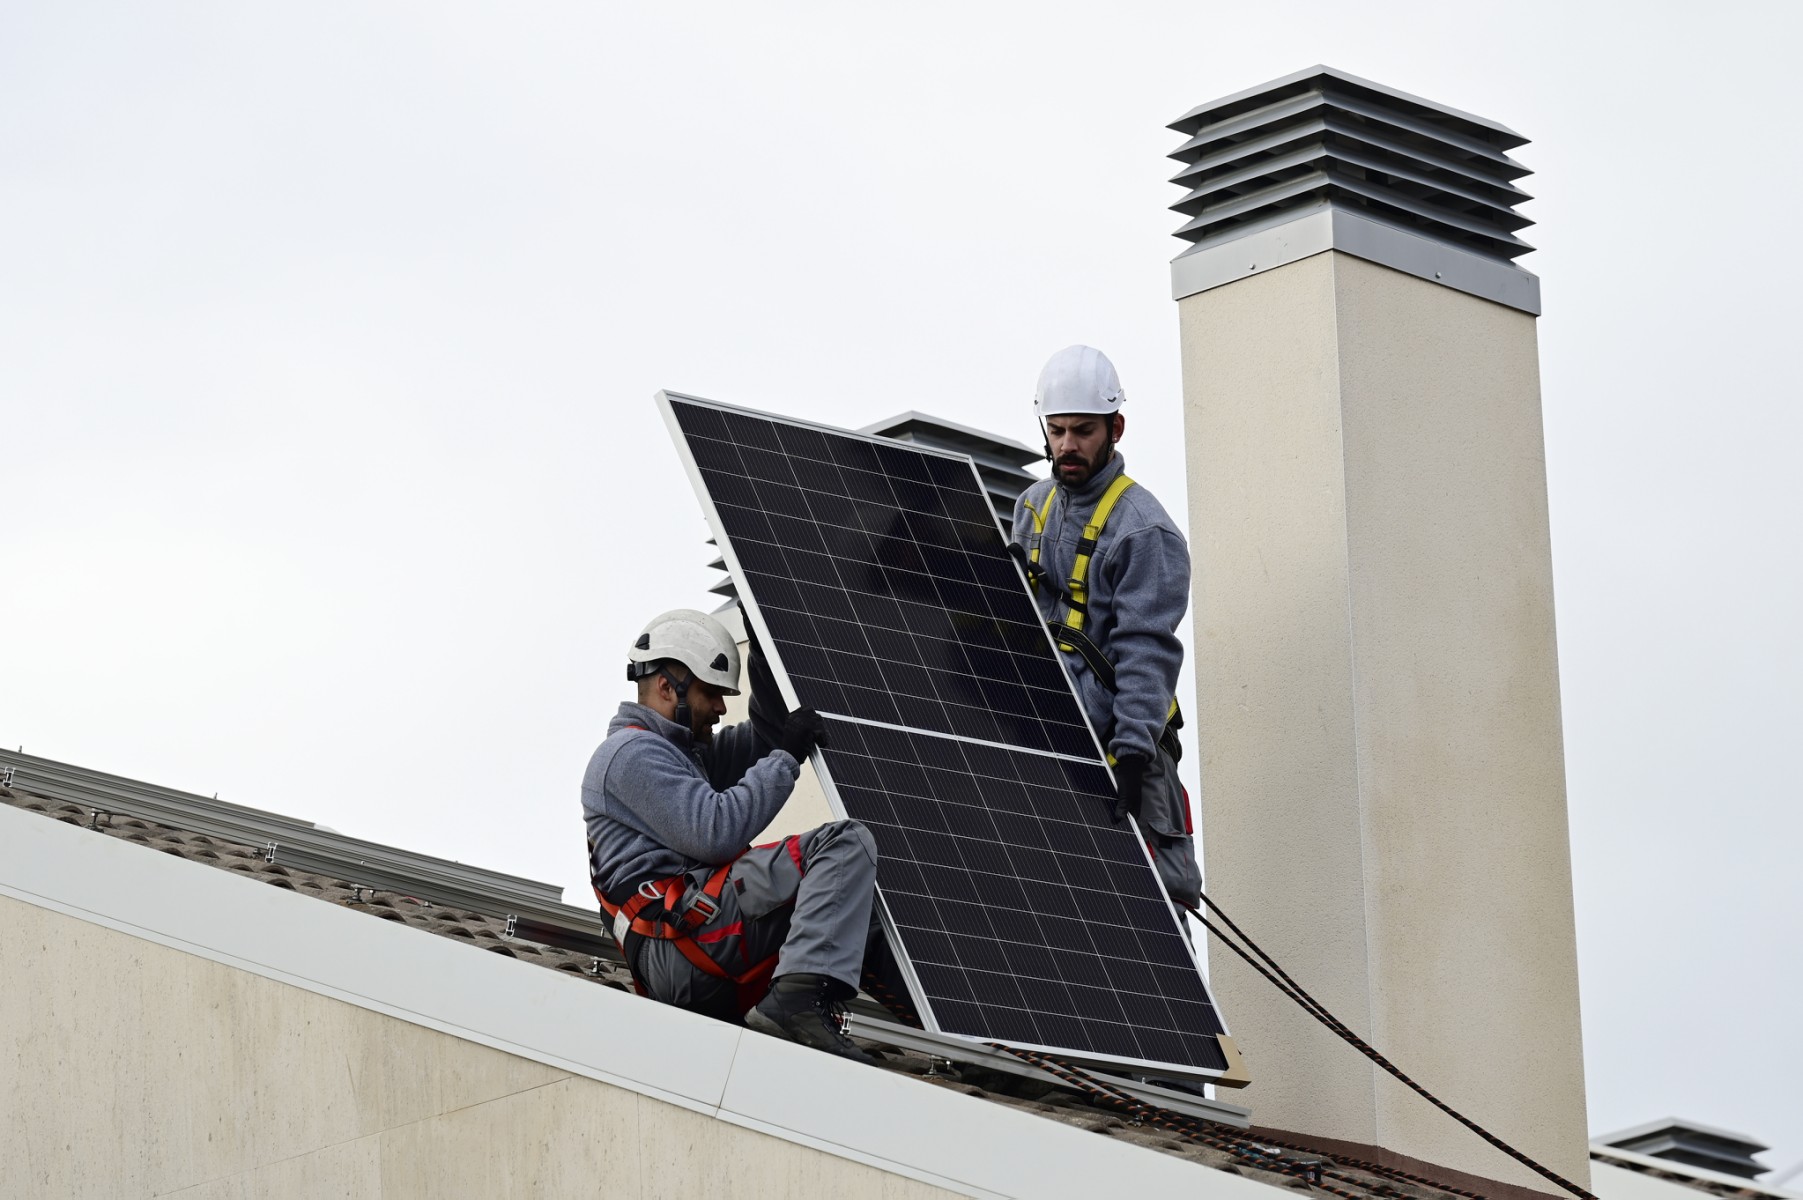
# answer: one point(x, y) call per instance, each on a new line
point(683, 716)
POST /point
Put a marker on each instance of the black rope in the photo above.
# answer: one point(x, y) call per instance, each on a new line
point(1394, 1173)
point(1242, 1145)
point(1316, 1009)
point(1265, 1160)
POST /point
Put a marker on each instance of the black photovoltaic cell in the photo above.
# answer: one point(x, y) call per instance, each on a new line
point(1029, 916)
point(883, 581)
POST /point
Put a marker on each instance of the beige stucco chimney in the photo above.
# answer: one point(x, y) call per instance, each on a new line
point(1383, 788)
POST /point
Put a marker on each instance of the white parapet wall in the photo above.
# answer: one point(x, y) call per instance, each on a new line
point(168, 1028)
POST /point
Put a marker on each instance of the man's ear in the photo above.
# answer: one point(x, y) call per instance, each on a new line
point(1120, 425)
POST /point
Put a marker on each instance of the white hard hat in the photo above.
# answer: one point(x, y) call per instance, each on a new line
point(695, 640)
point(1078, 379)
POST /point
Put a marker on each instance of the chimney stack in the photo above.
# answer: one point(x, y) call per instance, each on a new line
point(1383, 788)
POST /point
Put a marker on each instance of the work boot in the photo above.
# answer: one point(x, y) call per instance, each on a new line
point(806, 1009)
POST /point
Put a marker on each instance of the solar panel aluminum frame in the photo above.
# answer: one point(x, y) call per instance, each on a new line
point(748, 602)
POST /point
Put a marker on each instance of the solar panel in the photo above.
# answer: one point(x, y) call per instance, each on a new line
point(1028, 915)
point(880, 585)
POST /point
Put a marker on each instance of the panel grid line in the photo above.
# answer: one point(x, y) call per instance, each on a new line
point(957, 737)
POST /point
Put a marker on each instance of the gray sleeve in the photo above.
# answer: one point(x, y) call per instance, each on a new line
point(1148, 572)
point(662, 797)
point(732, 753)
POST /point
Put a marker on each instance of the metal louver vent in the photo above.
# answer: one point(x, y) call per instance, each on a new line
point(1323, 139)
point(1693, 1144)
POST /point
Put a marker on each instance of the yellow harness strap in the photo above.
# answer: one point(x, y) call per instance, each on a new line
point(1076, 588)
point(1069, 632)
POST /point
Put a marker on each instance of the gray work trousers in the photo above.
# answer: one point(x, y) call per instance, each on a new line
point(1164, 819)
point(808, 898)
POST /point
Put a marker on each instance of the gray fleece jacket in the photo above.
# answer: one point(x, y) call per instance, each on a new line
point(657, 805)
point(1138, 586)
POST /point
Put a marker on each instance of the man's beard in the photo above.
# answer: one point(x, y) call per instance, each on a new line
point(1090, 465)
point(701, 731)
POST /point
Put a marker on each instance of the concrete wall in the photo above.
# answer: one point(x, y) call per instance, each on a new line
point(1383, 794)
point(132, 1069)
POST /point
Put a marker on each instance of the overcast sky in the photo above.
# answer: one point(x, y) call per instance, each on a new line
point(328, 333)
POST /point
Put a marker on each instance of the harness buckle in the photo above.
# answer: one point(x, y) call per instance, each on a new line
point(650, 889)
point(702, 909)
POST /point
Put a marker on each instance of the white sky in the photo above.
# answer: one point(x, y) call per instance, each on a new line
point(331, 480)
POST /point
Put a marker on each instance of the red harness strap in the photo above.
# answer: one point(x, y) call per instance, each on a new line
point(749, 985)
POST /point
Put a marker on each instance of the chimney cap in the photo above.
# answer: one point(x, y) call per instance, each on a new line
point(1322, 159)
point(1300, 81)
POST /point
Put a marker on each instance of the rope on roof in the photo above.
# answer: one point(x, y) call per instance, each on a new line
point(1314, 1008)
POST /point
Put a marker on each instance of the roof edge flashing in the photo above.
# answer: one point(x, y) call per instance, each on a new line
point(1300, 234)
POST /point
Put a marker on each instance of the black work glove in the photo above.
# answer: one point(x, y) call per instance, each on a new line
point(1029, 568)
point(802, 731)
point(1129, 785)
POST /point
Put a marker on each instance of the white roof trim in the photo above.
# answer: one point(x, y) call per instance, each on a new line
point(880, 1118)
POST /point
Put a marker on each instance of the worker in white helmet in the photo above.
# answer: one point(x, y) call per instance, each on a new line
point(1111, 573)
point(775, 935)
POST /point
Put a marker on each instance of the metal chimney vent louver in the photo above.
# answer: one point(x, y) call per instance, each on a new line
point(1322, 138)
point(1693, 1144)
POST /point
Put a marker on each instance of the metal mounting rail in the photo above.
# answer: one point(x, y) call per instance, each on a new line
point(860, 1023)
point(541, 916)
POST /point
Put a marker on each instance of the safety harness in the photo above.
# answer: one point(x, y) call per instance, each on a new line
point(654, 910)
point(1067, 628)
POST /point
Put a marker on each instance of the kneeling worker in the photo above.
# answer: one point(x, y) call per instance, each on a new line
point(775, 934)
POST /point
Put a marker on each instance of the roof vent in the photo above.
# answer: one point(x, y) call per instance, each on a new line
point(1323, 136)
point(1692, 1144)
point(1324, 160)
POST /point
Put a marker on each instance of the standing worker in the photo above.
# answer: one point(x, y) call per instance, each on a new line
point(1111, 574)
point(775, 934)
